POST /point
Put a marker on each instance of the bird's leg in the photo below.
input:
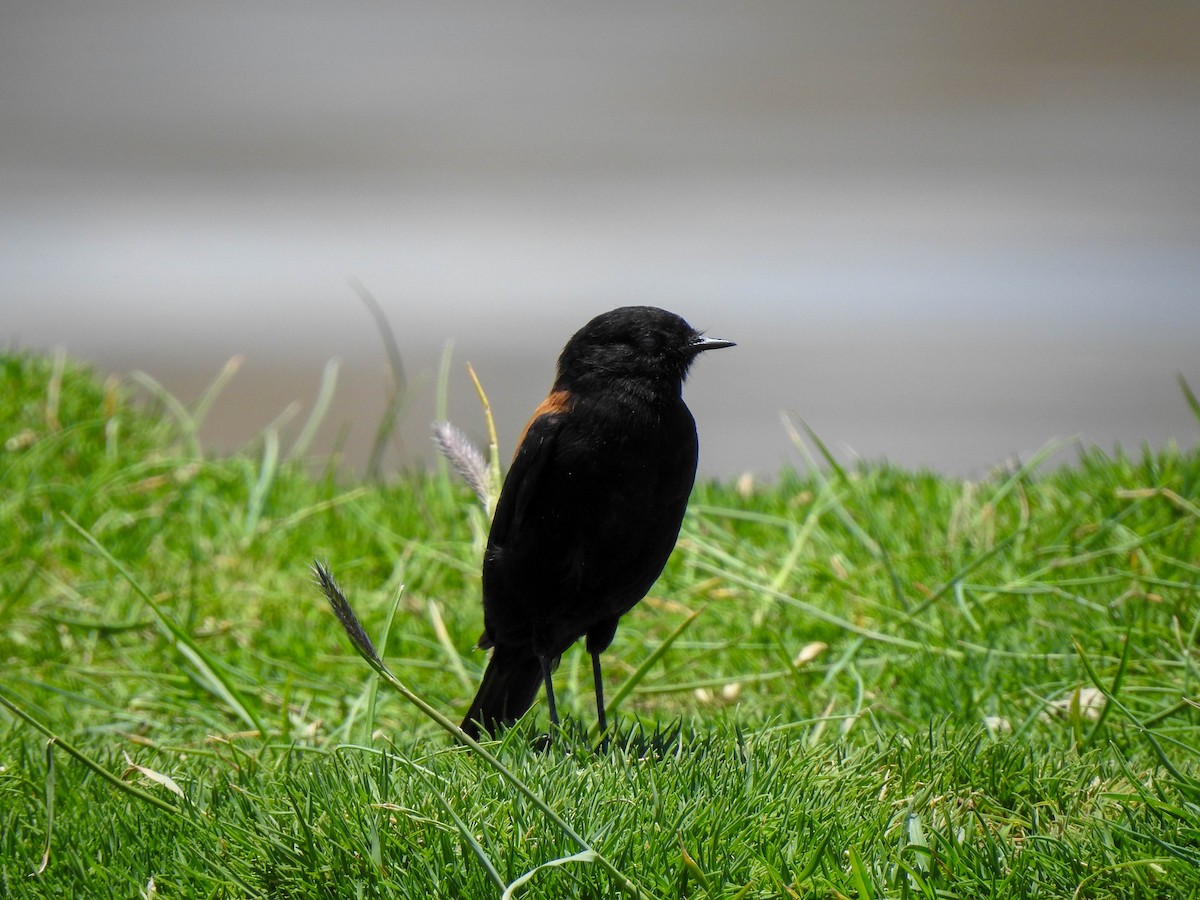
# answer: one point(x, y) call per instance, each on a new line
point(599, 636)
point(599, 682)
point(546, 670)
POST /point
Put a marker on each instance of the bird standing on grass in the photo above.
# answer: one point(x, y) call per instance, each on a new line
point(591, 506)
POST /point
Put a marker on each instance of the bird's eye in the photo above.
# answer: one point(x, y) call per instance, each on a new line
point(649, 343)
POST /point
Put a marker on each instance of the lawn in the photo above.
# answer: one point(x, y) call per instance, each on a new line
point(858, 682)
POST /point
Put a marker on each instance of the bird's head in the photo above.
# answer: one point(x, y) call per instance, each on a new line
point(633, 342)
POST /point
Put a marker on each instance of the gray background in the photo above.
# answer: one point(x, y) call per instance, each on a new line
point(941, 233)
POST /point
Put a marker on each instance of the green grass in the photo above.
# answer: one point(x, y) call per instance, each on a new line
point(997, 695)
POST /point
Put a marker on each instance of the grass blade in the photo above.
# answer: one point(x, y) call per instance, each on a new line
point(583, 856)
point(262, 485)
point(49, 808)
point(320, 408)
point(213, 391)
point(180, 639)
point(398, 393)
point(73, 751)
point(177, 410)
point(1189, 396)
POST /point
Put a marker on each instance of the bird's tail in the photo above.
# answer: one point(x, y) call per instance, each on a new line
point(509, 687)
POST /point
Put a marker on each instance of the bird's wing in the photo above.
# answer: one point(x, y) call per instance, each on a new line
point(525, 475)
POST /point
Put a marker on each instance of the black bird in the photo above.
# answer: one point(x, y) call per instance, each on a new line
point(591, 506)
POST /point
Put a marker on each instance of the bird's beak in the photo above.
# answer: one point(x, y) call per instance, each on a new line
point(702, 342)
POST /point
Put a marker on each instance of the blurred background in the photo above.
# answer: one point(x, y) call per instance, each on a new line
point(941, 233)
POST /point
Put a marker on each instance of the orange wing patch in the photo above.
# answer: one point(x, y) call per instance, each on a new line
point(556, 402)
